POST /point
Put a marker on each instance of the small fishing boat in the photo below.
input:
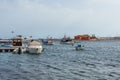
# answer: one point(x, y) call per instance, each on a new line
point(67, 41)
point(35, 47)
point(79, 47)
point(47, 42)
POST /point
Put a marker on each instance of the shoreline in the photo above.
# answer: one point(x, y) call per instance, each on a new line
point(100, 38)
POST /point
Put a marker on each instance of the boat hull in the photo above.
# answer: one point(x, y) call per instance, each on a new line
point(35, 49)
point(69, 42)
point(79, 47)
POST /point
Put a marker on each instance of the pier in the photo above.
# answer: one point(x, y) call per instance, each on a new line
point(6, 49)
point(16, 42)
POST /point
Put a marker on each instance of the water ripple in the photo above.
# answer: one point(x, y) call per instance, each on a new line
point(100, 60)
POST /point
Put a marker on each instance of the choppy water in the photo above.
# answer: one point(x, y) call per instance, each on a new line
point(100, 60)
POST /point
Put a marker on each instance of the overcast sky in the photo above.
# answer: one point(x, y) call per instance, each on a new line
point(43, 18)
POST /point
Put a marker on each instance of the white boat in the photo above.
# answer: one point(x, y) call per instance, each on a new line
point(18, 45)
point(20, 50)
point(47, 42)
point(34, 47)
point(67, 40)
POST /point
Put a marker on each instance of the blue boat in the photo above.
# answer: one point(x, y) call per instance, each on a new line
point(79, 47)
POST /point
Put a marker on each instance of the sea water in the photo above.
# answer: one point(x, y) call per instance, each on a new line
point(99, 60)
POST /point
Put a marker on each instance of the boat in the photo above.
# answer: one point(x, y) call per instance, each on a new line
point(18, 46)
point(20, 50)
point(34, 47)
point(67, 40)
point(47, 41)
point(79, 47)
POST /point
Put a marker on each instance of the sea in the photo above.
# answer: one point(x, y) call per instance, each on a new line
point(99, 60)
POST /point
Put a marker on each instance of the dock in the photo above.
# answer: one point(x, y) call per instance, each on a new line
point(6, 49)
point(16, 42)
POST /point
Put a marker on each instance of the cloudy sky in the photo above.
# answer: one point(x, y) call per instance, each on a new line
point(42, 18)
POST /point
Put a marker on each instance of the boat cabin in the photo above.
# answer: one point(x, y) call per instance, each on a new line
point(17, 41)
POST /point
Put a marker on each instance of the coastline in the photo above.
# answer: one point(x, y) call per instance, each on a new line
point(55, 39)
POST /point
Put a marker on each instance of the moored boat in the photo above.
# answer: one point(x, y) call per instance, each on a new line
point(19, 50)
point(18, 45)
point(67, 40)
point(34, 47)
point(47, 42)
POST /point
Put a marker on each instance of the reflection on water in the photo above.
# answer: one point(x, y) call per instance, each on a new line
point(100, 60)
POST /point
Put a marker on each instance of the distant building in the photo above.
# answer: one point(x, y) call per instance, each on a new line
point(82, 37)
point(85, 37)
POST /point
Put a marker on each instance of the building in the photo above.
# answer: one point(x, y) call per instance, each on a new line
point(85, 37)
point(82, 37)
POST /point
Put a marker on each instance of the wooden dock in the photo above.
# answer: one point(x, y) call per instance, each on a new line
point(6, 50)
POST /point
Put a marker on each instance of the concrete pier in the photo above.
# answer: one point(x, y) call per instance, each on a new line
point(6, 50)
